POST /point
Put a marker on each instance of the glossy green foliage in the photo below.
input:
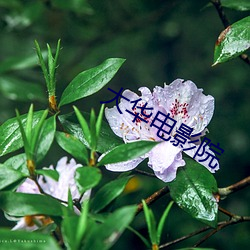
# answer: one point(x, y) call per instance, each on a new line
point(46, 137)
point(232, 41)
point(74, 228)
point(53, 174)
point(73, 146)
point(49, 70)
point(32, 136)
point(87, 177)
point(150, 35)
point(106, 194)
point(69, 230)
point(10, 136)
point(29, 204)
point(107, 139)
point(126, 152)
point(155, 231)
point(9, 176)
point(105, 235)
point(90, 81)
point(18, 162)
point(193, 190)
point(151, 223)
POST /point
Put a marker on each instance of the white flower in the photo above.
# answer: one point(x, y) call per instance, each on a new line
point(58, 189)
point(184, 103)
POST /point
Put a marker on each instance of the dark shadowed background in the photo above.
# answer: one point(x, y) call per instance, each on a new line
point(161, 41)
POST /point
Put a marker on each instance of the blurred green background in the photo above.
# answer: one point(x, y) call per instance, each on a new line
point(162, 41)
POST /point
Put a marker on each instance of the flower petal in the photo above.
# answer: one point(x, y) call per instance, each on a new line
point(65, 182)
point(123, 125)
point(29, 187)
point(21, 225)
point(205, 163)
point(164, 159)
point(186, 104)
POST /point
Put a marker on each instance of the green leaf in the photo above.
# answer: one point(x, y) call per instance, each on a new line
point(28, 127)
point(87, 177)
point(99, 122)
point(108, 193)
point(52, 65)
point(19, 90)
point(92, 127)
point(241, 5)
point(90, 81)
point(105, 235)
point(69, 230)
point(46, 138)
point(162, 221)
point(143, 239)
point(18, 162)
point(16, 240)
point(10, 136)
point(43, 65)
point(8, 176)
point(151, 223)
point(22, 131)
point(53, 174)
point(37, 131)
point(127, 152)
point(74, 228)
point(84, 125)
point(82, 223)
point(193, 191)
point(107, 139)
point(73, 146)
point(233, 41)
point(20, 204)
point(70, 201)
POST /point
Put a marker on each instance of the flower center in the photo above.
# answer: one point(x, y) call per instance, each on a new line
point(180, 110)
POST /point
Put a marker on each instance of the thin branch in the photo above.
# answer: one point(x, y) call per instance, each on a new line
point(144, 173)
point(226, 23)
point(224, 211)
point(152, 198)
point(222, 15)
point(235, 220)
point(223, 192)
point(245, 58)
point(204, 229)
